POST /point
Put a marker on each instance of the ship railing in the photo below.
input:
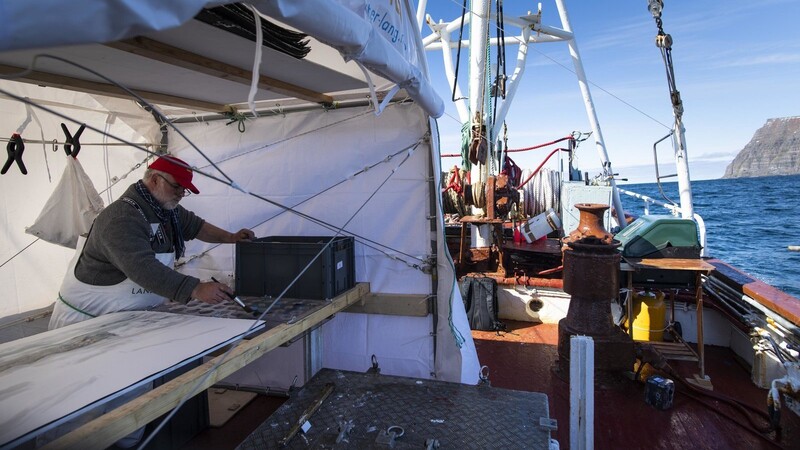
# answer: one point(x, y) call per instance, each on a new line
point(675, 210)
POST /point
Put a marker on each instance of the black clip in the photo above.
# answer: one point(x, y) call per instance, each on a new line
point(375, 370)
point(72, 141)
point(15, 148)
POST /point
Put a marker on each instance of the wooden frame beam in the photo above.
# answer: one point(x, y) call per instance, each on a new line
point(109, 428)
point(94, 87)
point(411, 305)
point(159, 51)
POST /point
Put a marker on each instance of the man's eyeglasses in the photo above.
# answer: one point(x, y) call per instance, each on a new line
point(178, 188)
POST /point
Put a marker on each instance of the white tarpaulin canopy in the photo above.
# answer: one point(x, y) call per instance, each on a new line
point(317, 146)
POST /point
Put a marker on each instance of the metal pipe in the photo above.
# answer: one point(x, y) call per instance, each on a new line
point(435, 45)
point(478, 28)
point(56, 142)
point(421, 7)
point(555, 283)
point(792, 328)
point(591, 113)
point(283, 109)
point(272, 392)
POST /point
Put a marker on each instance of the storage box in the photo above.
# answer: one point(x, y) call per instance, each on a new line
point(659, 237)
point(189, 421)
point(659, 391)
point(267, 265)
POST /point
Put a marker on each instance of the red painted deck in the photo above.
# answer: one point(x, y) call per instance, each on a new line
point(523, 357)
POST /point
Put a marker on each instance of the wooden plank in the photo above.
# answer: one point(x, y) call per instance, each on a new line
point(697, 265)
point(775, 299)
point(787, 306)
point(107, 429)
point(159, 51)
point(94, 87)
point(414, 305)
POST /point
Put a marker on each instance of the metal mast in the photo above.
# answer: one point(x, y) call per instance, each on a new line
point(591, 113)
point(664, 42)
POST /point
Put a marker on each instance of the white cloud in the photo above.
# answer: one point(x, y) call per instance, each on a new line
point(771, 59)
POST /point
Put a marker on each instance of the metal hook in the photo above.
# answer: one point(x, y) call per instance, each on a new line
point(484, 374)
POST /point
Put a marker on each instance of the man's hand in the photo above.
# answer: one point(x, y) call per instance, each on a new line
point(211, 292)
point(242, 235)
point(216, 235)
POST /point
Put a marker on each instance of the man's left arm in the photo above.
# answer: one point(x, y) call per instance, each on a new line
point(215, 235)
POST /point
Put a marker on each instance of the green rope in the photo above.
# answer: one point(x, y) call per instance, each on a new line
point(465, 140)
point(237, 118)
point(74, 307)
point(487, 100)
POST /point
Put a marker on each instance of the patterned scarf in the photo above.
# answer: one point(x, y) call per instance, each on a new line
point(164, 215)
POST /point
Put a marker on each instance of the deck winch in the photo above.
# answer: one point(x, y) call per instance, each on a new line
point(591, 277)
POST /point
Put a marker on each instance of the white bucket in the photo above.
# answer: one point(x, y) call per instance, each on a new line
point(540, 226)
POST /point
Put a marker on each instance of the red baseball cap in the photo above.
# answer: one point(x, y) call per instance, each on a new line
point(177, 168)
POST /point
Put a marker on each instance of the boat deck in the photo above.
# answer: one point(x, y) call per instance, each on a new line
point(522, 359)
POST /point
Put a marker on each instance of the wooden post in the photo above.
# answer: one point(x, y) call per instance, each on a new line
point(699, 302)
point(630, 304)
point(581, 393)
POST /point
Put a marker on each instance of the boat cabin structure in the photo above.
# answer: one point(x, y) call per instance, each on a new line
point(388, 301)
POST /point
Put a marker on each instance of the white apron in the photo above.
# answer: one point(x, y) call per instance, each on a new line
point(79, 301)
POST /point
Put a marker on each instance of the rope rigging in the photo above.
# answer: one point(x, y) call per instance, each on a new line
point(227, 181)
point(361, 239)
point(664, 43)
point(408, 150)
point(576, 136)
point(464, 11)
point(288, 138)
point(155, 111)
point(499, 86)
point(233, 185)
point(280, 296)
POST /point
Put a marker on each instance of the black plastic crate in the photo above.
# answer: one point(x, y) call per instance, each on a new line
point(267, 265)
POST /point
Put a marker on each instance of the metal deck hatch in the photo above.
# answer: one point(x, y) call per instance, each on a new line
point(373, 406)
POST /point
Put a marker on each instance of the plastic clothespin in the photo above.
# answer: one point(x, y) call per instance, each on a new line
point(15, 148)
point(72, 141)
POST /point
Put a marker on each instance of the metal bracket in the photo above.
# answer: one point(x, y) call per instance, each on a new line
point(387, 437)
point(431, 444)
point(548, 423)
point(375, 370)
point(344, 430)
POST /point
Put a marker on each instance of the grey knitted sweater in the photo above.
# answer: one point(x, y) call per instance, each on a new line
point(119, 246)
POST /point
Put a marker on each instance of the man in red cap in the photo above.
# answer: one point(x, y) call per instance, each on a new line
point(126, 262)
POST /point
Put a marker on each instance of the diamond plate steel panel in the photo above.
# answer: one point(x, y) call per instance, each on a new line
point(456, 415)
point(286, 310)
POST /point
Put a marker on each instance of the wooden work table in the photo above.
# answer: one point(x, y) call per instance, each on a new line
point(110, 427)
point(699, 267)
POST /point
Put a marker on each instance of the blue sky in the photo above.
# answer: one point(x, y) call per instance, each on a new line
point(737, 64)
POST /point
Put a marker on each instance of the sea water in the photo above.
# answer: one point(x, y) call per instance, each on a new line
point(750, 223)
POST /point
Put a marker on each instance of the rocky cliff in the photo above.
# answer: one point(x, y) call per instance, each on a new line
point(773, 150)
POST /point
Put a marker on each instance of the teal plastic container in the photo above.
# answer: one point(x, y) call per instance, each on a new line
point(655, 236)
